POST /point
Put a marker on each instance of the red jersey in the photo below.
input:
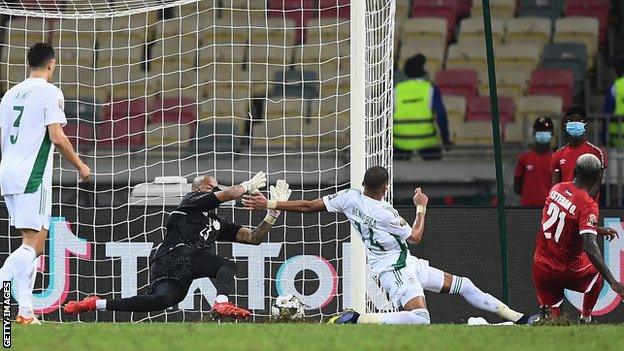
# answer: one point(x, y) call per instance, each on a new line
point(564, 159)
point(569, 213)
point(534, 168)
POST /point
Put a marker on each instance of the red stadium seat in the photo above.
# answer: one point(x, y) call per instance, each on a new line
point(553, 81)
point(123, 109)
point(591, 8)
point(335, 8)
point(463, 8)
point(299, 11)
point(447, 9)
point(461, 82)
point(479, 109)
point(126, 133)
point(80, 134)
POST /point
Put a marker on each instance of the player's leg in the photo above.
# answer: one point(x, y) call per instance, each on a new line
point(588, 281)
point(405, 290)
point(549, 290)
point(446, 283)
point(206, 264)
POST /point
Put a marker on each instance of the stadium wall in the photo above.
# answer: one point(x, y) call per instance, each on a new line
point(99, 259)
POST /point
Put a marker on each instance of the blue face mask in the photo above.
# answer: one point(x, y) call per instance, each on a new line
point(543, 137)
point(575, 129)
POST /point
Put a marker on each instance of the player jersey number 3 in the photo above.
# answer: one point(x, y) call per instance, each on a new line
point(556, 217)
point(19, 111)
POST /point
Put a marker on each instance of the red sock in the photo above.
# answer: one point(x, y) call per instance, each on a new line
point(590, 298)
point(555, 312)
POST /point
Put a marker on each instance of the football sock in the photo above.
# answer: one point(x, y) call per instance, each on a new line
point(221, 299)
point(481, 300)
point(100, 305)
point(165, 295)
point(25, 283)
point(590, 297)
point(417, 316)
point(17, 262)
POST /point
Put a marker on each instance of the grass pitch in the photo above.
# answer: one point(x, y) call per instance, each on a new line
point(304, 337)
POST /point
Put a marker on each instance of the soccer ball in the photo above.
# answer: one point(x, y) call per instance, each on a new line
point(287, 308)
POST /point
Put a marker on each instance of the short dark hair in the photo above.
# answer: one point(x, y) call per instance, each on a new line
point(376, 177)
point(576, 111)
point(39, 55)
point(415, 66)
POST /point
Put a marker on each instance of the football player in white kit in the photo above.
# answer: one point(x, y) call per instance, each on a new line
point(386, 235)
point(31, 122)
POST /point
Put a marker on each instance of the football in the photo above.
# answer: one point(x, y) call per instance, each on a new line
point(287, 308)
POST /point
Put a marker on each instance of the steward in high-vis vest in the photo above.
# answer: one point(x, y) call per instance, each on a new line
point(418, 106)
point(614, 104)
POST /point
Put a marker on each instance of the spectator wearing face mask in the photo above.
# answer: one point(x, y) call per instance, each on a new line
point(532, 180)
point(563, 160)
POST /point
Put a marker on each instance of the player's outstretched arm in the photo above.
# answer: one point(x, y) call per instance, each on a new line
point(258, 181)
point(280, 192)
point(595, 256)
point(62, 144)
point(418, 228)
point(259, 202)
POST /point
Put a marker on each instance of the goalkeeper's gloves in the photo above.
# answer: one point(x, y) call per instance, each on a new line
point(279, 192)
point(258, 181)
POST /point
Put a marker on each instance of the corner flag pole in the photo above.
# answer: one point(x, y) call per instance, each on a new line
point(500, 190)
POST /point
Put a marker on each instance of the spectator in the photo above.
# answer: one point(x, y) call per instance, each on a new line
point(614, 105)
point(532, 180)
point(563, 160)
point(416, 100)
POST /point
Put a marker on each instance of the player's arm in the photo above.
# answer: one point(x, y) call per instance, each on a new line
point(519, 176)
point(258, 181)
point(258, 201)
point(554, 168)
point(590, 246)
point(593, 192)
point(65, 148)
point(418, 228)
point(279, 193)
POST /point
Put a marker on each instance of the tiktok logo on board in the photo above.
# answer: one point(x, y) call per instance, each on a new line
point(614, 258)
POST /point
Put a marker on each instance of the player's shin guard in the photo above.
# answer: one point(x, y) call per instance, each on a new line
point(417, 316)
point(481, 300)
point(590, 297)
point(224, 281)
point(25, 283)
point(17, 262)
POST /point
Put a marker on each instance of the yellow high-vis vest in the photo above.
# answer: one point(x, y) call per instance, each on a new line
point(616, 127)
point(413, 124)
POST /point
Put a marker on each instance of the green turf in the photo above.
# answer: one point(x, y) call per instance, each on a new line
point(283, 337)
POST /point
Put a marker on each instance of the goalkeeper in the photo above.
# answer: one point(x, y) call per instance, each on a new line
point(186, 253)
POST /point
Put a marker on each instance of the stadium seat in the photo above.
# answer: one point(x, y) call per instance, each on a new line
point(81, 108)
point(295, 83)
point(219, 136)
point(511, 83)
point(499, 9)
point(434, 52)
point(463, 8)
point(467, 56)
point(225, 111)
point(530, 30)
point(199, 7)
point(446, 9)
point(246, 4)
point(168, 136)
point(208, 53)
point(173, 54)
point(519, 57)
point(80, 134)
point(455, 112)
point(119, 134)
point(471, 30)
point(298, 11)
point(479, 109)
point(598, 9)
point(21, 32)
point(327, 30)
point(173, 110)
point(424, 30)
point(571, 56)
point(529, 108)
point(273, 31)
point(223, 32)
point(281, 126)
point(458, 82)
point(336, 8)
point(550, 9)
point(549, 81)
point(579, 30)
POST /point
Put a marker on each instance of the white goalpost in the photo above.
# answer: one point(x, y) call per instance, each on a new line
point(158, 92)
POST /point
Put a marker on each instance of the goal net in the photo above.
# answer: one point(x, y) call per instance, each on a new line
point(176, 89)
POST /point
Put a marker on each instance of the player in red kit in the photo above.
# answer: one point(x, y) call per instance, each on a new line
point(563, 160)
point(567, 255)
point(532, 179)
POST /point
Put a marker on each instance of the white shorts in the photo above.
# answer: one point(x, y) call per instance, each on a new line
point(410, 282)
point(30, 211)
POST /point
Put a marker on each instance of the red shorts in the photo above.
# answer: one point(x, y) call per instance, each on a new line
point(551, 283)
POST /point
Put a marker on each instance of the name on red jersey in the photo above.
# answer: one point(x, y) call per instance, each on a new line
point(562, 201)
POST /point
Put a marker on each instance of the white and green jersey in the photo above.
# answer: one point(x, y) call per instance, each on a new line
point(25, 112)
point(383, 231)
